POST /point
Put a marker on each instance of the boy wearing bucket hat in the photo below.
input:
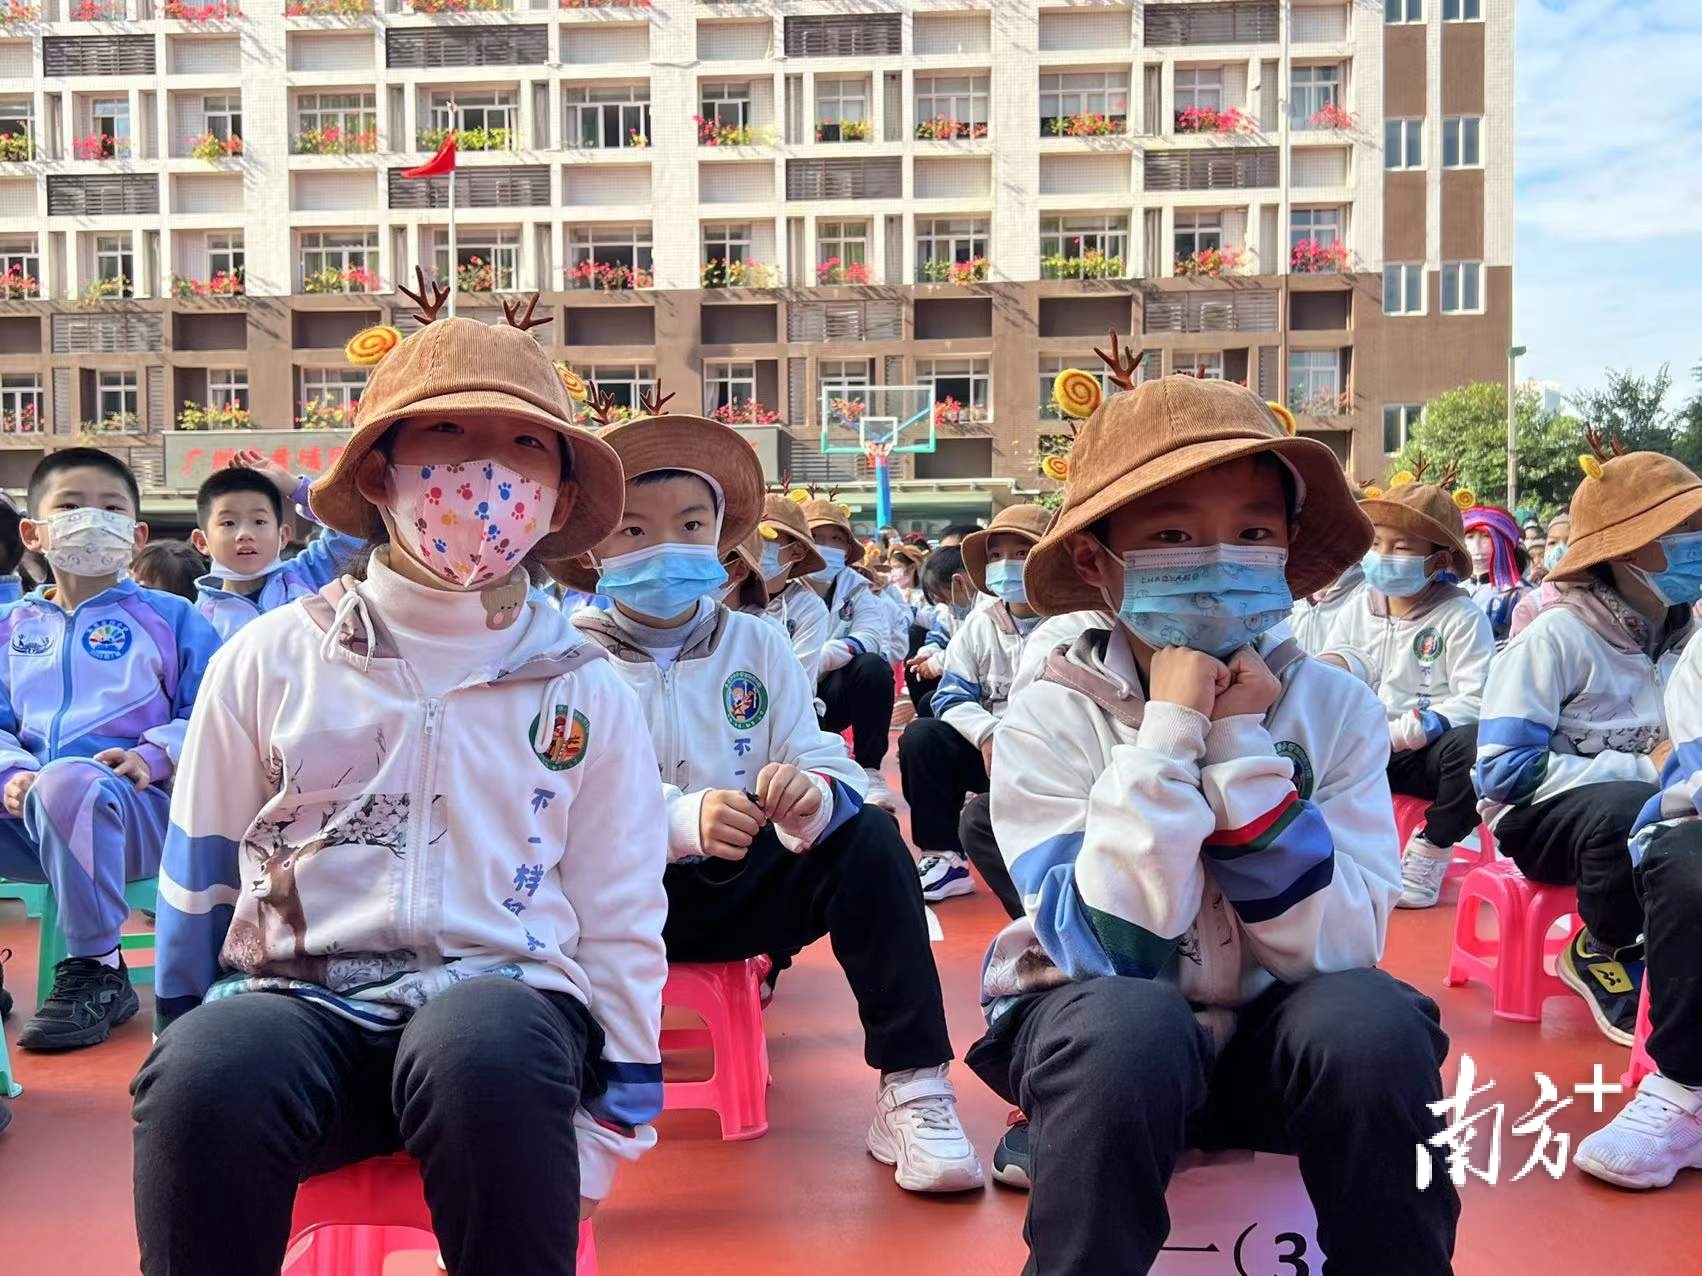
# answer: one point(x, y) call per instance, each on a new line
point(789, 556)
point(945, 758)
point(416, 844)
point(1198, 819)
point(1573, 720)
point(769, 841)
point(1420, 641)
point(745, 589)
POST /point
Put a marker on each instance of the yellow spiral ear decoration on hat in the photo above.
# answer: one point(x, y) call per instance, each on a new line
point(1056, 468)
point(799, 496)
point(1403, 478)
point(1372, 493)
point(573, 383)
point(766, 532)
point(1591, 466)
point(1077, 393)
point(371, 345)
point(1281, 412)
point(844, 509)
point(1464, 499)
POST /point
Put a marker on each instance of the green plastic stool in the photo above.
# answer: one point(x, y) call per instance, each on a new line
point(33, 895)
point(9, 1088)
point(53, 950)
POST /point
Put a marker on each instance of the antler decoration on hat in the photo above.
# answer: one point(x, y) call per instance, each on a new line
point(601, 405)
point(1602, 450)
point(427, 310)
point(511, 312)
point(654, 402)
point(1123, 364)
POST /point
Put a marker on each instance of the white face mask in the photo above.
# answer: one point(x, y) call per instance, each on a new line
point(88, 542)
point(230, 573)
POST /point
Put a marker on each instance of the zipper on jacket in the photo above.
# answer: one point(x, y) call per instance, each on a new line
point(67, 646)
point(672, 739)
point(419, 814)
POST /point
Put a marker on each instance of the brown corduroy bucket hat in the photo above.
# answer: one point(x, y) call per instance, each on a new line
point(833, 514)
point(785, 517)
point(752, 592)
point(1170, 428)
point(1027, 521)
point(1428, 510)
point(1624, 503)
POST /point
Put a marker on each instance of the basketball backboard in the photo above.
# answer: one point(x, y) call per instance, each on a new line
point(898, 418)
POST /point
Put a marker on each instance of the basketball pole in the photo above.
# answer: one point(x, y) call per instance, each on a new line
point(883, 489)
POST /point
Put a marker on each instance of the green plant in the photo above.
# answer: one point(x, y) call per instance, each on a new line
point(469, 139)
point(106, 289)
point(16, 148)
point(213, 416)
point(212, 148)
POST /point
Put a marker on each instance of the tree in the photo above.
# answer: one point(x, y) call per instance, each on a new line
point(1467, 427)
point(1687, 428)
point(1631, 408)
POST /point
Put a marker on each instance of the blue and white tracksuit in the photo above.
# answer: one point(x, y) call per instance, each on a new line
point(121, 671)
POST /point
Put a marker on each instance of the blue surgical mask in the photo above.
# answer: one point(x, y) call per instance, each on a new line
point(1680, 582)
point(1397, 575)
point(1213, 598)
point(661, 580)
point(1552, 558)
point(1004, 580)
point(835, 560)
point(771, 565)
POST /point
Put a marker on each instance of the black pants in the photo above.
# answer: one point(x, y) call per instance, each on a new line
point(859, 887)
point(1580, 839)
point(939, 769)
point(859, 695)
point(975, 831)
point(1670, 880)
point(243, 1098)
point(1442, 772)
point(1117, 1079)
point(921, 689)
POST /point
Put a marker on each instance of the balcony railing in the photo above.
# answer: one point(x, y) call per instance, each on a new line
point(1243, 168)
point(1224, 310)
point(329, 8)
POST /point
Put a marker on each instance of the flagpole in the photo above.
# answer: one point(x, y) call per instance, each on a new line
point(454, 270)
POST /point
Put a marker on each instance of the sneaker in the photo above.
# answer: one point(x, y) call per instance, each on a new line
point(1609, 983)
point(1654, 1136)
point(878, 794)
point(916, 1130)
point(903, 714)
point(1423, 866)
point(88, 1001)
point(944, 874)
point(1010, 1158)
point(5, 997)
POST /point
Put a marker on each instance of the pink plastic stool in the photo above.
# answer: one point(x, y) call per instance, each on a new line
point(348, 1221)
point(1512, 962)
point(1641, 1064)
point(1409, 818)
point(727, 997)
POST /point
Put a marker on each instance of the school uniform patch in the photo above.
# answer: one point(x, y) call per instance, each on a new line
point(848, 610)
point(567, 746)
point(744, 699)
point(107, 640)
point(1304, 778)
point(1428, 646)
point(32, 642)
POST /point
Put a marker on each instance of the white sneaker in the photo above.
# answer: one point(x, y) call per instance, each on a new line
point(878, 794)
point(903, 713)
point(917, 1131)
point(1423, 866)
point(944, 874)
point(1654, 1136)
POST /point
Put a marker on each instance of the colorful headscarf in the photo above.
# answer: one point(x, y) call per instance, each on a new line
point(1503, 535)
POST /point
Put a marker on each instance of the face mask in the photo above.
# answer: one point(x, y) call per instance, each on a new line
point(469, 522)
point(1551, 560)
point(661, 580)
point(1680, 583)
point(771, 564)
point(89, 542)
point(835, 560)
point(1215, 599)
point(1397, 575)
point(1004, 579)
point(228, 573)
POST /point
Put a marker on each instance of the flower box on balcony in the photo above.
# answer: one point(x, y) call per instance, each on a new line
point(113, 423)
point(1212, 263)
point(106, 289)
point(218, 11)
point(469, 139)
point(329, 9)
point(26, 420)
point(16, 148)
point(97, 11)
point(943, 128)
point(1310, 257)
point(745, 412)
point(844, 131)
point(636, 140)
point(1089, 124)
point(1330, 116)
point(738, 274)
point(478, 275)
point(948, 411)
point(608, 277)
point(605, 4)
point(223, 284)
point(348, 279)
point(459, 6)
point(15, 13)
point(100, 146)
point(1323, 403)
point(16, 284)
point(1093, 264)
point(716, 133)
point(213, 416)
point(332, 140)
point(834, 271)
point(212, 148)
point(937, 270)
point(326, 414)
point(1203, 119)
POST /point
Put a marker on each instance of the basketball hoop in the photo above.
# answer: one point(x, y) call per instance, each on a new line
point(877, 452)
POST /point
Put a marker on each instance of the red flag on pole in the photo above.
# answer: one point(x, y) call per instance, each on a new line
point(439, 164)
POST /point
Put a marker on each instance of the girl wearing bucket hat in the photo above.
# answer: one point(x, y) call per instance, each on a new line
point(1420, 641)
point(771, 842)
point(1188, 802)
point(1573, 727)
point(354, 977)
point(789, 556)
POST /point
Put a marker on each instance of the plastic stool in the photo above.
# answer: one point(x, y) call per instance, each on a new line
point(52, 949)
point(9, 1087)
point(1409, 818)
point(33, 895)
point(1512, 962)
point(1641, 1064)
point(348, 1221)
point(727, 997)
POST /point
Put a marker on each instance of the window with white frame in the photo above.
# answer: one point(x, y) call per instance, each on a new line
point(1403, 288)
point(949, 240)
point(1403, 11)
point(1403, 144)
point(222, 115)
point(337, 389)
point(1067, 93)
point(1315, 381)
point(1399, 421)
point(225, 254)
point(846, 242)
point(727, 241)
point(840, 102)
point(1199, 88)
point(1462, 141)
point(607, 115)
point(487, 259)
point(727, 105)
point(968, 381)
point(728, 385)
point(227, 387)
point(1052, 364)
point(1312, 88)
point(845, 379)
point(626, 382)
point(341, 251)
point(17, 120)
point(1205, 364)
point(1462, 287)
point(963, 98)
point(1462, 10)
point(118, 398)
point(351, 117)
point(22, 405)
point(1078, 237)
point(20, 266)
point(111, 116)
point(611, 246)
point(1197, 232)
point(1321, 225)
point(114, 260)
point(468, 111)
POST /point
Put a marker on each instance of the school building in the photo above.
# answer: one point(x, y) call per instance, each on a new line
point(761, 204)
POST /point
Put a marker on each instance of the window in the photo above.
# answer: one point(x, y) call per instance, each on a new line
point(1312, 89)
point(1403, 11)
point(727, 105)
point(350, 255)
point(225, 255)
point(843, 374)
point(595, 254)
point(727, 241)
point(350, 118)
point(1084, 247)
point(1314, 382)
point(486, 259)
point(1052, 364)
point(1205, 364)
point(227, 387)
point(1199, 88)
point(1398, 422)
point(842, 252)
point(1321, 225)
point(20, 267)
point(1403, 144)
point(114, 261)
point(1083, 93)
point(494, 113)
point(21, 404)
point(840, 102)
point(336, 391)
point(1462, 10)
point(117, 399)
point(1462, 287)
point(1403, 289)
point(17, 128)
point(945, 241)
point(625, 381)
point(1462, 141)
point(969, 381)
point(112, 122)
point(1198, 232)
point(959, 98)
point(607, 115)
point(728, 385)
point(223, 115)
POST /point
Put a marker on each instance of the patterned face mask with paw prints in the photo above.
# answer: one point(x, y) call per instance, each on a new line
point(468, 522)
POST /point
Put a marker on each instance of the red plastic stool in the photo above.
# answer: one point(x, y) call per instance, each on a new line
point(727, 997)
point(348, 1221)
point(1409, 818)
point(1641, 1064)
point(1512, 962)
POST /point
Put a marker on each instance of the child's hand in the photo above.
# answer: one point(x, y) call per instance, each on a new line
point(1192, 679)
point(1662, 752)
point(128, 764)
point(987, 754)
point(787, 794)
point(16, 790)
point(254, 459)
point(728, 823)
point(928, 667)
point(1252, 689)
point(587, 1207)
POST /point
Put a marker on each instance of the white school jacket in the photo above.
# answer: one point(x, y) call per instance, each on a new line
point(732, 701)
point(1681, 777)
point(1150, 842)
point(856, 614)
point(981, 665)
point(801, 610)
point(1314, 622)
point(1053, 633)
point(899, 615)
point(338, 837)
point(1428, 667)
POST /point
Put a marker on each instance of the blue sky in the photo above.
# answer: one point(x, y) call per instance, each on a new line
point(1608, 258)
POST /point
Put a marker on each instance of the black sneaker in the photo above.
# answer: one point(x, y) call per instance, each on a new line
point(5, 997)
point(88, 1001)
point(1608, 980)
point(1010, 1159)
